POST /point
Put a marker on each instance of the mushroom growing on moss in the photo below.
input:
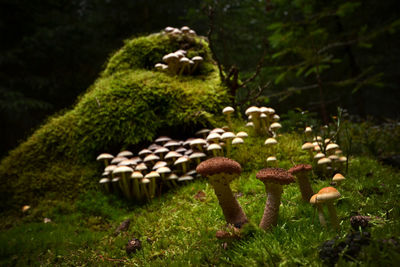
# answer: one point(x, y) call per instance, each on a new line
point(301, 172)
point(321, 217)
point(221, 172)
point(327, 195)
point(106, 158)
point(273, 179)
point(228, 111)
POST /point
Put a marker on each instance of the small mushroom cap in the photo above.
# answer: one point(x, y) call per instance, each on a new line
point(307, 146)
point(300, 168)
point(333, 157)
point(197, 155)
point(263, 115)
point(104, 181)
point(271, 158)
point(275, 175)
point(110, 168)
point(145, 180)
point(214, 147)
point(127, 162)
point(218, 165)
point(270, 141)
point(125, 153)
point(104, 156)
point(152, 174)
point(117, 160)
point(162, 139)
point(202, 131)
point(213, 136)
point(319, 156)
point(181, 160)
point(327, 193)
point(276, 117)
point(151, 157)
point(123, 169)
point(172, 176)
point(185, 177)
point(217, 130)
point(253, 110)
point(198, 141)
point(242, 134)
point(172, 154)
point(228, 110)
point(250, 124)
point(136, 175)
point(171, 143)
point(197, 59)
point(228, 135)
point(159, 164)
point(162, 170)
point(331, 147)
point(275, 125)
point(161, 150)
point(324, 161)
point(237, 140)
point(141, 167)
point(144, 152)
point(342, 159)
point(338, 177)
point(308, 129)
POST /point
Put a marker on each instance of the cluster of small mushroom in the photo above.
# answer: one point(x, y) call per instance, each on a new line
point(324, 153)
point(178, 64)
point(183, 31)
point(165, 163)
point(264, 120)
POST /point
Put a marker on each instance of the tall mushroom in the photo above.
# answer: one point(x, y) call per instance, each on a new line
point(220, 172)
point(228, 111)
point(301, 172)
point(273, 179)
point(321, 217)
point(327, 195)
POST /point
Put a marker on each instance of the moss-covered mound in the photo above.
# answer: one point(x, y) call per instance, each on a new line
point(128, 105)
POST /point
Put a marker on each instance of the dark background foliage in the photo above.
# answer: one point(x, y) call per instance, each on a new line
point(315, 55)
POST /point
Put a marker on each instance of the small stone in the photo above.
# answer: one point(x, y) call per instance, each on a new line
point(124, 226)
point(359, 221)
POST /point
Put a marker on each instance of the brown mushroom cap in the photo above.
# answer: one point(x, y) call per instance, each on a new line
point(218, 165)
point(327, 193)
point(300, 168)
point(275, 175)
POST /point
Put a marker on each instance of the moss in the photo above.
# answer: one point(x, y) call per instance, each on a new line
point(129, 104)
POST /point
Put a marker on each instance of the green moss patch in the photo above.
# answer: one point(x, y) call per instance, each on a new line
point(128, 105)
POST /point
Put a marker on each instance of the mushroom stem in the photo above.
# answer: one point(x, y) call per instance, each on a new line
point(228, 118)
point(124, 183)
point(230, 207)
point(256, 121)
point(305, 186)
point(270, 216)
point(321, 216)
point(333, 215)
point(136, 189)
point(228, 147)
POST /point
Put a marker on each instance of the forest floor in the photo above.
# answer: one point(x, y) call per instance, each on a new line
point(178, 228)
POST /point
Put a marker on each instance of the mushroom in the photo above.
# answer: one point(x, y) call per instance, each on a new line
point(228, 137)
point(273, 179)
point(136, 176)
point(124, 172)
point(242, 134)
point(309, 147)
point(152, 177)
point(228, 111)
point(321, 217)
point(106, 158)
point(272, 160)
point(220, 172)
point(196, 60)
point(338, 178)
point(105, 184)
point(215, 148)
point(327, 195)
point(125, 153)
point(202, 132)
point(301, 171)
point(255, 117)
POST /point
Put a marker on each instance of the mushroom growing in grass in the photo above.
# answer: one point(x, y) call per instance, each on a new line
point(124, 172)
point(309, 147)
point(125, 153)
point(228, 137)
point(106, 158)
point(338, 178)
point(321, 217)
point(196, 62)
point(215, 149)
point(136, 176)
point(301, 171)
point(221, 172)
point(272, 161)
point(273, 179)
point(242, 134)
point(105, 184)
point(228, 111)
point(152, 177)
point(255, 118)
point(275, 127)
point(271, 143)
point(183, 162)
point(197, 156)
point(327, 195)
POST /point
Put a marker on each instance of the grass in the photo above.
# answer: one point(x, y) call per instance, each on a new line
point(178, 229)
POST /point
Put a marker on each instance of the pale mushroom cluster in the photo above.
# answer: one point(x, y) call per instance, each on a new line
point(183, 31)
point(264, 120)
point(177, 63)
point(163, 164)
point(324, 153)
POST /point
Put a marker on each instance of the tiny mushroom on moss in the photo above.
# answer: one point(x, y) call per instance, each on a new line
point(220, 172)
point(106, 158)
point(321, 217)
point(228, 111)
point(327, 195)
point(273, 179)
point(338, 178)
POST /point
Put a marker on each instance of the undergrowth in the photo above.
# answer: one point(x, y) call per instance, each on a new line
point(178, 228)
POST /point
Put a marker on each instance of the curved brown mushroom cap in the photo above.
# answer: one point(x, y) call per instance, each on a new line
point(327, 193)
point(218, 165)
point(300, 168)
point(275, 175)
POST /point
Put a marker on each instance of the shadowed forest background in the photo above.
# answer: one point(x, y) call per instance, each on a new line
point(311, 55)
